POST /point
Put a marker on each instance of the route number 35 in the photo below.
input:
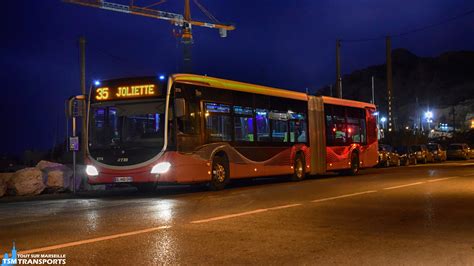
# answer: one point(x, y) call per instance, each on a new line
point(102, 94)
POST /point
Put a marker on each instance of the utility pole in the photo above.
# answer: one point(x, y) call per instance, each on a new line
point(453, 112)
point(187, 40)
point(82, 52)
point(338, 70)
point(373, 92)
point(388, 43)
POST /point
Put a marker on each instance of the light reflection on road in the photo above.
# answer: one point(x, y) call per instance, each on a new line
point(163, 210)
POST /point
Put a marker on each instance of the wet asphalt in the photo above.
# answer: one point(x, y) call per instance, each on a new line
point(417, 215)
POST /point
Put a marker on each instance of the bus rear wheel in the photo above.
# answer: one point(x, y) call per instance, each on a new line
point(299, 168)
point(355, 165)
point(219, 173)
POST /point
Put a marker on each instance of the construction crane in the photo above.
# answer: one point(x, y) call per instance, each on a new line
point(185, 22)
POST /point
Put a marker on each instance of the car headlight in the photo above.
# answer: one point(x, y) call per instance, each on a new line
point(91, 170)
point(161, 168)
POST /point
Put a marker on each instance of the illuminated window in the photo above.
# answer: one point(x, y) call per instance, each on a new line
point(263, 125)
point(243, 129)
point(218, 122)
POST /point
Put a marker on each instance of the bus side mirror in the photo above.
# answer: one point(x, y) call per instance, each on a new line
point(180, 107)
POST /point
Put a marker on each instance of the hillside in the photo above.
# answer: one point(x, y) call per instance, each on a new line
point(438, 82)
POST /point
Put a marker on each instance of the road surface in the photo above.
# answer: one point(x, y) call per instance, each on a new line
point(414, 215)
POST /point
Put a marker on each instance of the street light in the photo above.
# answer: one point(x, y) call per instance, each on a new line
point(429, 114)
point(383, 119)
point(429, 118)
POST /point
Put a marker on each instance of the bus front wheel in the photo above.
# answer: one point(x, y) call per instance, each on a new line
point(219, 173)
point(299, 168)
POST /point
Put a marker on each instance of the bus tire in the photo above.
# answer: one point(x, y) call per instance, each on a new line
point(219, 173)
point(299, 168)
point(355, 164)
point(146, 187)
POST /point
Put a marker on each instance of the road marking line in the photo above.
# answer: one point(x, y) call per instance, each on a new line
point(345, 196)
point(228, 216)
point(245, 213)
point(441, 179)
point(92, 240)
point(285, 206)
point(406, 185)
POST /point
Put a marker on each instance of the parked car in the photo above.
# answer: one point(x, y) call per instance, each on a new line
point(438, 152)
point(423, 155)
point(387, 157)
point(459, 151)
point(407, 155)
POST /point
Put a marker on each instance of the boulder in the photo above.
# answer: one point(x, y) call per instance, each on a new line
point(4, 178)
point(3, 187)
point(28, 181)
point(57, 176)
point(42, 165)
point(58, 179)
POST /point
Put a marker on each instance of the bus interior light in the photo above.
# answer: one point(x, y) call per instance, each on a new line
point(161, 168)
point(91, 170)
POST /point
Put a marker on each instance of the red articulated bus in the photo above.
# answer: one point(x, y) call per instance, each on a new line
point(192, 129)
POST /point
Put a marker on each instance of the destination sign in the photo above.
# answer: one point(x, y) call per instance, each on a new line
point(125, 92)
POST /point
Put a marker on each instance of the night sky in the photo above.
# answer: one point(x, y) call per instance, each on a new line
point(287, 44)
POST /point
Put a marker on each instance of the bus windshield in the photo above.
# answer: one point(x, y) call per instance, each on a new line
point(127, 126)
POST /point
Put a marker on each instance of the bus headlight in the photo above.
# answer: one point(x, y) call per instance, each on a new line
point(91, 170)
point(161, 168)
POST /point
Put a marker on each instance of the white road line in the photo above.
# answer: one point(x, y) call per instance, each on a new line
point(245, 213)
point(345, 196)
point(228, 216)
point(441, 179)
point(406, 185)
point(285, 206)
point(93, 240)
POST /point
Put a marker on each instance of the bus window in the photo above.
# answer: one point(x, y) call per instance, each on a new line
point(335, 125)
point(355, 125)
point(339, 129)
point(298, 130)
point(279, 124)
point(263, 127)
point(243, 129)
point(189, 123)
point(243, 124)
point(218, 122)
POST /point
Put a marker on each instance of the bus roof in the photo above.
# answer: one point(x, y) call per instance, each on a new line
point(345, 102)
point(239, 86)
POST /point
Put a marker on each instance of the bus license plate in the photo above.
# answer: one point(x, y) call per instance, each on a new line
point(123, 179)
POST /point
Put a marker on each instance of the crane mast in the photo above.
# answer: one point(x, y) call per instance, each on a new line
point(185, 22)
